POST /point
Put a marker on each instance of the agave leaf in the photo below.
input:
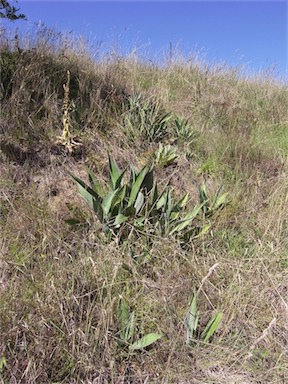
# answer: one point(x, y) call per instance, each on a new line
point(183, 223)
point(203, 193)
point(116, 174)
point(203, 197)
point(95, 184)
point(118, 201)
point(148, 181)
point(181, 203)
point(107, 201)
point(174, 215)
point(133, 174)
point(130, 327)
point(120, 219)
point(91, 197)
point(122, 315)
point(162, 199)
point(192, 320)
point(212, 326)
point(157, 153)
point(139, 202)
point(221, 200)
point(154, 196)
point(119, 180)
point(164, 156)
point(129, 211)
point(203, 230)
point(136, 186)
point(145, 341)
point(85, 191)
point(97, 207)
point(168, 204)
point(126, 320)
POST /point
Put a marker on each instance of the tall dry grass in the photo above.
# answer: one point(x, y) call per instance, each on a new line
point(60, 285)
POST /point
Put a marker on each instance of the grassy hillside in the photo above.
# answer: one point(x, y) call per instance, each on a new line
point(80, 296)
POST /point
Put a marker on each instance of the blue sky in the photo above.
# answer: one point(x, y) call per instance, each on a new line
point(249, 33)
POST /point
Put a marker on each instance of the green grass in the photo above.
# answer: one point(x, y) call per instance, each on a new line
point(62, 286)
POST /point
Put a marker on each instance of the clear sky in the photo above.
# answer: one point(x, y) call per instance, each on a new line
point(249, 33)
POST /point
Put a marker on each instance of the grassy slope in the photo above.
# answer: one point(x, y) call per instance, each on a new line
point(60, 286)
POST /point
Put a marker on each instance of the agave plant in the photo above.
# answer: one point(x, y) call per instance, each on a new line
point(185, 135)
point(115, 203)
point(145, 118)
point(164, 156)
point(139, 204)
point(210, 206)
point(126, 323)
point(192, 323)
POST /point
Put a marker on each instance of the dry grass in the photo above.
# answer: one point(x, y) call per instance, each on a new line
point(60, 285)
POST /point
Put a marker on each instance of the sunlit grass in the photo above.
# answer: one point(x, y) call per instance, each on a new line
point(78, 306)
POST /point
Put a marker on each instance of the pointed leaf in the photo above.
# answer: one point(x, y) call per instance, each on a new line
point(133, 174)
point(129, 211)
point(107, 201)
point(220, 201)
point(148, 181)
point(97, 207)
point(186, 220)
point(181, 203)
point(192, 319)
point(168, 204)
point(91, 197)
point(203, 193)
point(130, 327)
point(85, 191)
point(139, 202)
point(118, 199)
point(212, 326)
point(154, 194)
point(95, 184)
point(125, 320)
point(136, 186)
point(162, 199)
point(120, 219)
point(174, 216)
point(116, 174)
point(204, 230)
point(123, 313)
point(145, 341)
